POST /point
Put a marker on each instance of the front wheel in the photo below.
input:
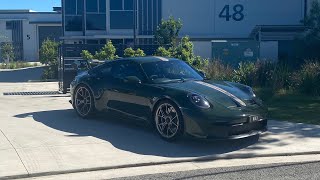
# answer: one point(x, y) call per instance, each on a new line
point(83, 101)
point(168, 121)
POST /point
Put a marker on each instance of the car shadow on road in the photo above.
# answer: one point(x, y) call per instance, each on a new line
point(134, 137)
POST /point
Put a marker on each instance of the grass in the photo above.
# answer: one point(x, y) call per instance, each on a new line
point(17, 65)
point(291, 106)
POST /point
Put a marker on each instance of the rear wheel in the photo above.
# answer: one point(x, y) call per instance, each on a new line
point(83, 102)
point(168, 121)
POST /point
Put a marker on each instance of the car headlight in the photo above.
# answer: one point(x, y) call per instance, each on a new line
point(199, 101)
point(252, 92)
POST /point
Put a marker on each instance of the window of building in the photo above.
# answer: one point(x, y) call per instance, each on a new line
point(96, 15)
point(96, 21)
point(9, 25)
point(73, 23)
point(121, 14)
point(70, 7)
point(121, 19)
point(92, 6)
point(80, 7)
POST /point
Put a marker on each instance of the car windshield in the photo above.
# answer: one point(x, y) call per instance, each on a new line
point(170, 71)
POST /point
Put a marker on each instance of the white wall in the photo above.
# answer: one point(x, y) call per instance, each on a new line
point(30, 41)
point(269, 50)
point(5, 35)
point(201, 17)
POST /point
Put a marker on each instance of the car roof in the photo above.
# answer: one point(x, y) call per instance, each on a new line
point(147, 59)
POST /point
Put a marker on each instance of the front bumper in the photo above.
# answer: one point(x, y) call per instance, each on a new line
point(233, 127)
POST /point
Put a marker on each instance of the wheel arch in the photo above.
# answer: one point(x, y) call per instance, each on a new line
point(165, 98)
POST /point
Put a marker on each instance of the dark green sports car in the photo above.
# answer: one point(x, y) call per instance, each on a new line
point(170, 95)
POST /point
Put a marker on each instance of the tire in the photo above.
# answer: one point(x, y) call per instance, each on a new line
point(168, 121)
point(83, 102)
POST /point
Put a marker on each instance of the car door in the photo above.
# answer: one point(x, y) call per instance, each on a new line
point(125, 96)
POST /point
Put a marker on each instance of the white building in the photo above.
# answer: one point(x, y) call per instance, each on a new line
point(27, 29)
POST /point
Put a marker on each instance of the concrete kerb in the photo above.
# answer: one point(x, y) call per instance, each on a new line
point(201, 159)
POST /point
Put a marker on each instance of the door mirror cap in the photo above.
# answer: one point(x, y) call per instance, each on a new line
point(132, 80)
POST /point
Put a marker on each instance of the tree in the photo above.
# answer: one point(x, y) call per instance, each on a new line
point(7, 52)
point(312, 23)
point(184, 50)
point(108, 52)
point(49, 56)
point(307, 45)
point(168, 31)
point(129, 52)
point(49, 52)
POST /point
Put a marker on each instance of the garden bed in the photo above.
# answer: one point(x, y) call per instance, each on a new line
point(290, 106)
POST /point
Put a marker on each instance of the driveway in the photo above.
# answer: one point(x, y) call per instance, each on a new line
point(42, 135)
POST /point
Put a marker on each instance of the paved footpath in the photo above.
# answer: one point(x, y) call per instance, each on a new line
point(41, 135)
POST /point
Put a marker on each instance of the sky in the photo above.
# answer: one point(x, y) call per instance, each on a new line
point(36, 5)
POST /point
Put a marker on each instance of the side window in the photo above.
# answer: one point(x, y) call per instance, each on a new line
point(125, 69)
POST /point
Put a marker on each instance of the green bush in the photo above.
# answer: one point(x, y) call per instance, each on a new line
point(184, 51)
point(245, 73)
point(217, 70)
point(129, 52)
point(264, 73)
point(281, 77)
point(49, 52)
point(108, 52)
point(163, 52)
point(168, 31)
point(7, 52)
point(17, 65)
point(309, 78)
point(86, 55)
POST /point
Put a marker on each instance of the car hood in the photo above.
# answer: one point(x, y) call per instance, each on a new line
point(216, 91)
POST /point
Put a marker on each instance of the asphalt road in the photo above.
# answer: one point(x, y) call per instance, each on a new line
point(287, 171)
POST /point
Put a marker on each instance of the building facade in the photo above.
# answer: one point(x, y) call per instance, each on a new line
point(27, 29)
point(272, 23)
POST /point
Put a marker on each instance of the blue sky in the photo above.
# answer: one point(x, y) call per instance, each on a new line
point(36, 5)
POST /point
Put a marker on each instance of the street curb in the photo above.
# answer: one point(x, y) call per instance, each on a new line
point(201, 159)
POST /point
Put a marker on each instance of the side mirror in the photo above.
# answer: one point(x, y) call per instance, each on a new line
point(202, 74)
point(132, 80)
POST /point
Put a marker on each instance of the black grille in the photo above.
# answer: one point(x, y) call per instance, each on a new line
point(247, 128)
point(39, 93)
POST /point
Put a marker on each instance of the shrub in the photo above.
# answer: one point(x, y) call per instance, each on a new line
point(7, 52)
point(129, 52)
point(49, 52)
point(139, 53)
point(184, 50)
point(308, 78)
point(108, 52)
point(281, 77)
point(200, 64)
point(49, 56)
point(218, 71)
point(245, 73)
point(86, 55)
point(264, 73)
point(163, 52)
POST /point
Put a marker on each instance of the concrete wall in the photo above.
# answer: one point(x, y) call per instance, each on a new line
point(21, 75)
point(203, 18)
